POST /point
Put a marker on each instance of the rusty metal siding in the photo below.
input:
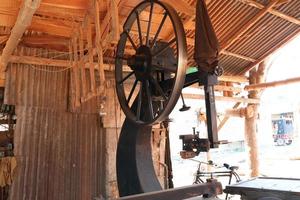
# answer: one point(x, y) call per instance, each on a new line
point(59, 155)
point(43, 87)
point(26, 86)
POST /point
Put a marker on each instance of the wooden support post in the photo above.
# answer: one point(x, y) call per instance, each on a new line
point(99, 48)
point(90, 54)
point(115, 21)
point(23, 21)
point(240, 112)
point(255, 77)
point(72, 89)
point(75, 70)
point(81, 63)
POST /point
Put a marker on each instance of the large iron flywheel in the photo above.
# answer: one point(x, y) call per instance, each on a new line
point(150, 72)
point(144, 61)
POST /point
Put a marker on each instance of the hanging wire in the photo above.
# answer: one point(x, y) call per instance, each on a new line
point(55, 56)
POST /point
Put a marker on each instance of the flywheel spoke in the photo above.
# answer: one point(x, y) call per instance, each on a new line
point(126, 77)
point(131, 41)
point(149, 24)
point(158, 88)
point(159, 29)
point(139, 27)
point(132, 91)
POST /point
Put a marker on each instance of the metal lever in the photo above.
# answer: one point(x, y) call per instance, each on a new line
point(184, 106)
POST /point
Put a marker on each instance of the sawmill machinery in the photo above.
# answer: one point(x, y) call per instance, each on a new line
point(150, 71)
point(150, 74)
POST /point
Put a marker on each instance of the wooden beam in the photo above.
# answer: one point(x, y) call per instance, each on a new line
point(23, 21)
point(228, 42)
point(228, 88)
point(225, 52)
point(51, 27)
point(32, 60)
point(221, 98)
point(237, 79)
point(65, 63)
point(67, 4)
point(8, 12)
point(226, 118)
point(261, 86)
point(61, 12)
point(272, 11)
point(46, 41)
point(221, 88)
point(183, 7)
point(115, 23)
point(2, 82)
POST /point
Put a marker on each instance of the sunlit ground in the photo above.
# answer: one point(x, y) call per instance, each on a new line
point(276, 161)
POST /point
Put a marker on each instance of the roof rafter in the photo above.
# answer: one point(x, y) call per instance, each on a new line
point(271, 11)
point(228, 42)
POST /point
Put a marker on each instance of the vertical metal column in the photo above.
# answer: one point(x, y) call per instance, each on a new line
point(211, 116)
point(208, 80)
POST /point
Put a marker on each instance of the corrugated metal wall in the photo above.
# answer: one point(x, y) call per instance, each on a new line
point(60, 154)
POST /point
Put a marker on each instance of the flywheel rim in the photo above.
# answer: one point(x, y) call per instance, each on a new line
point(180, 41)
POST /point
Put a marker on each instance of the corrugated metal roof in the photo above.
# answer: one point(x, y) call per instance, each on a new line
point(258, 41)
point(229, 17)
